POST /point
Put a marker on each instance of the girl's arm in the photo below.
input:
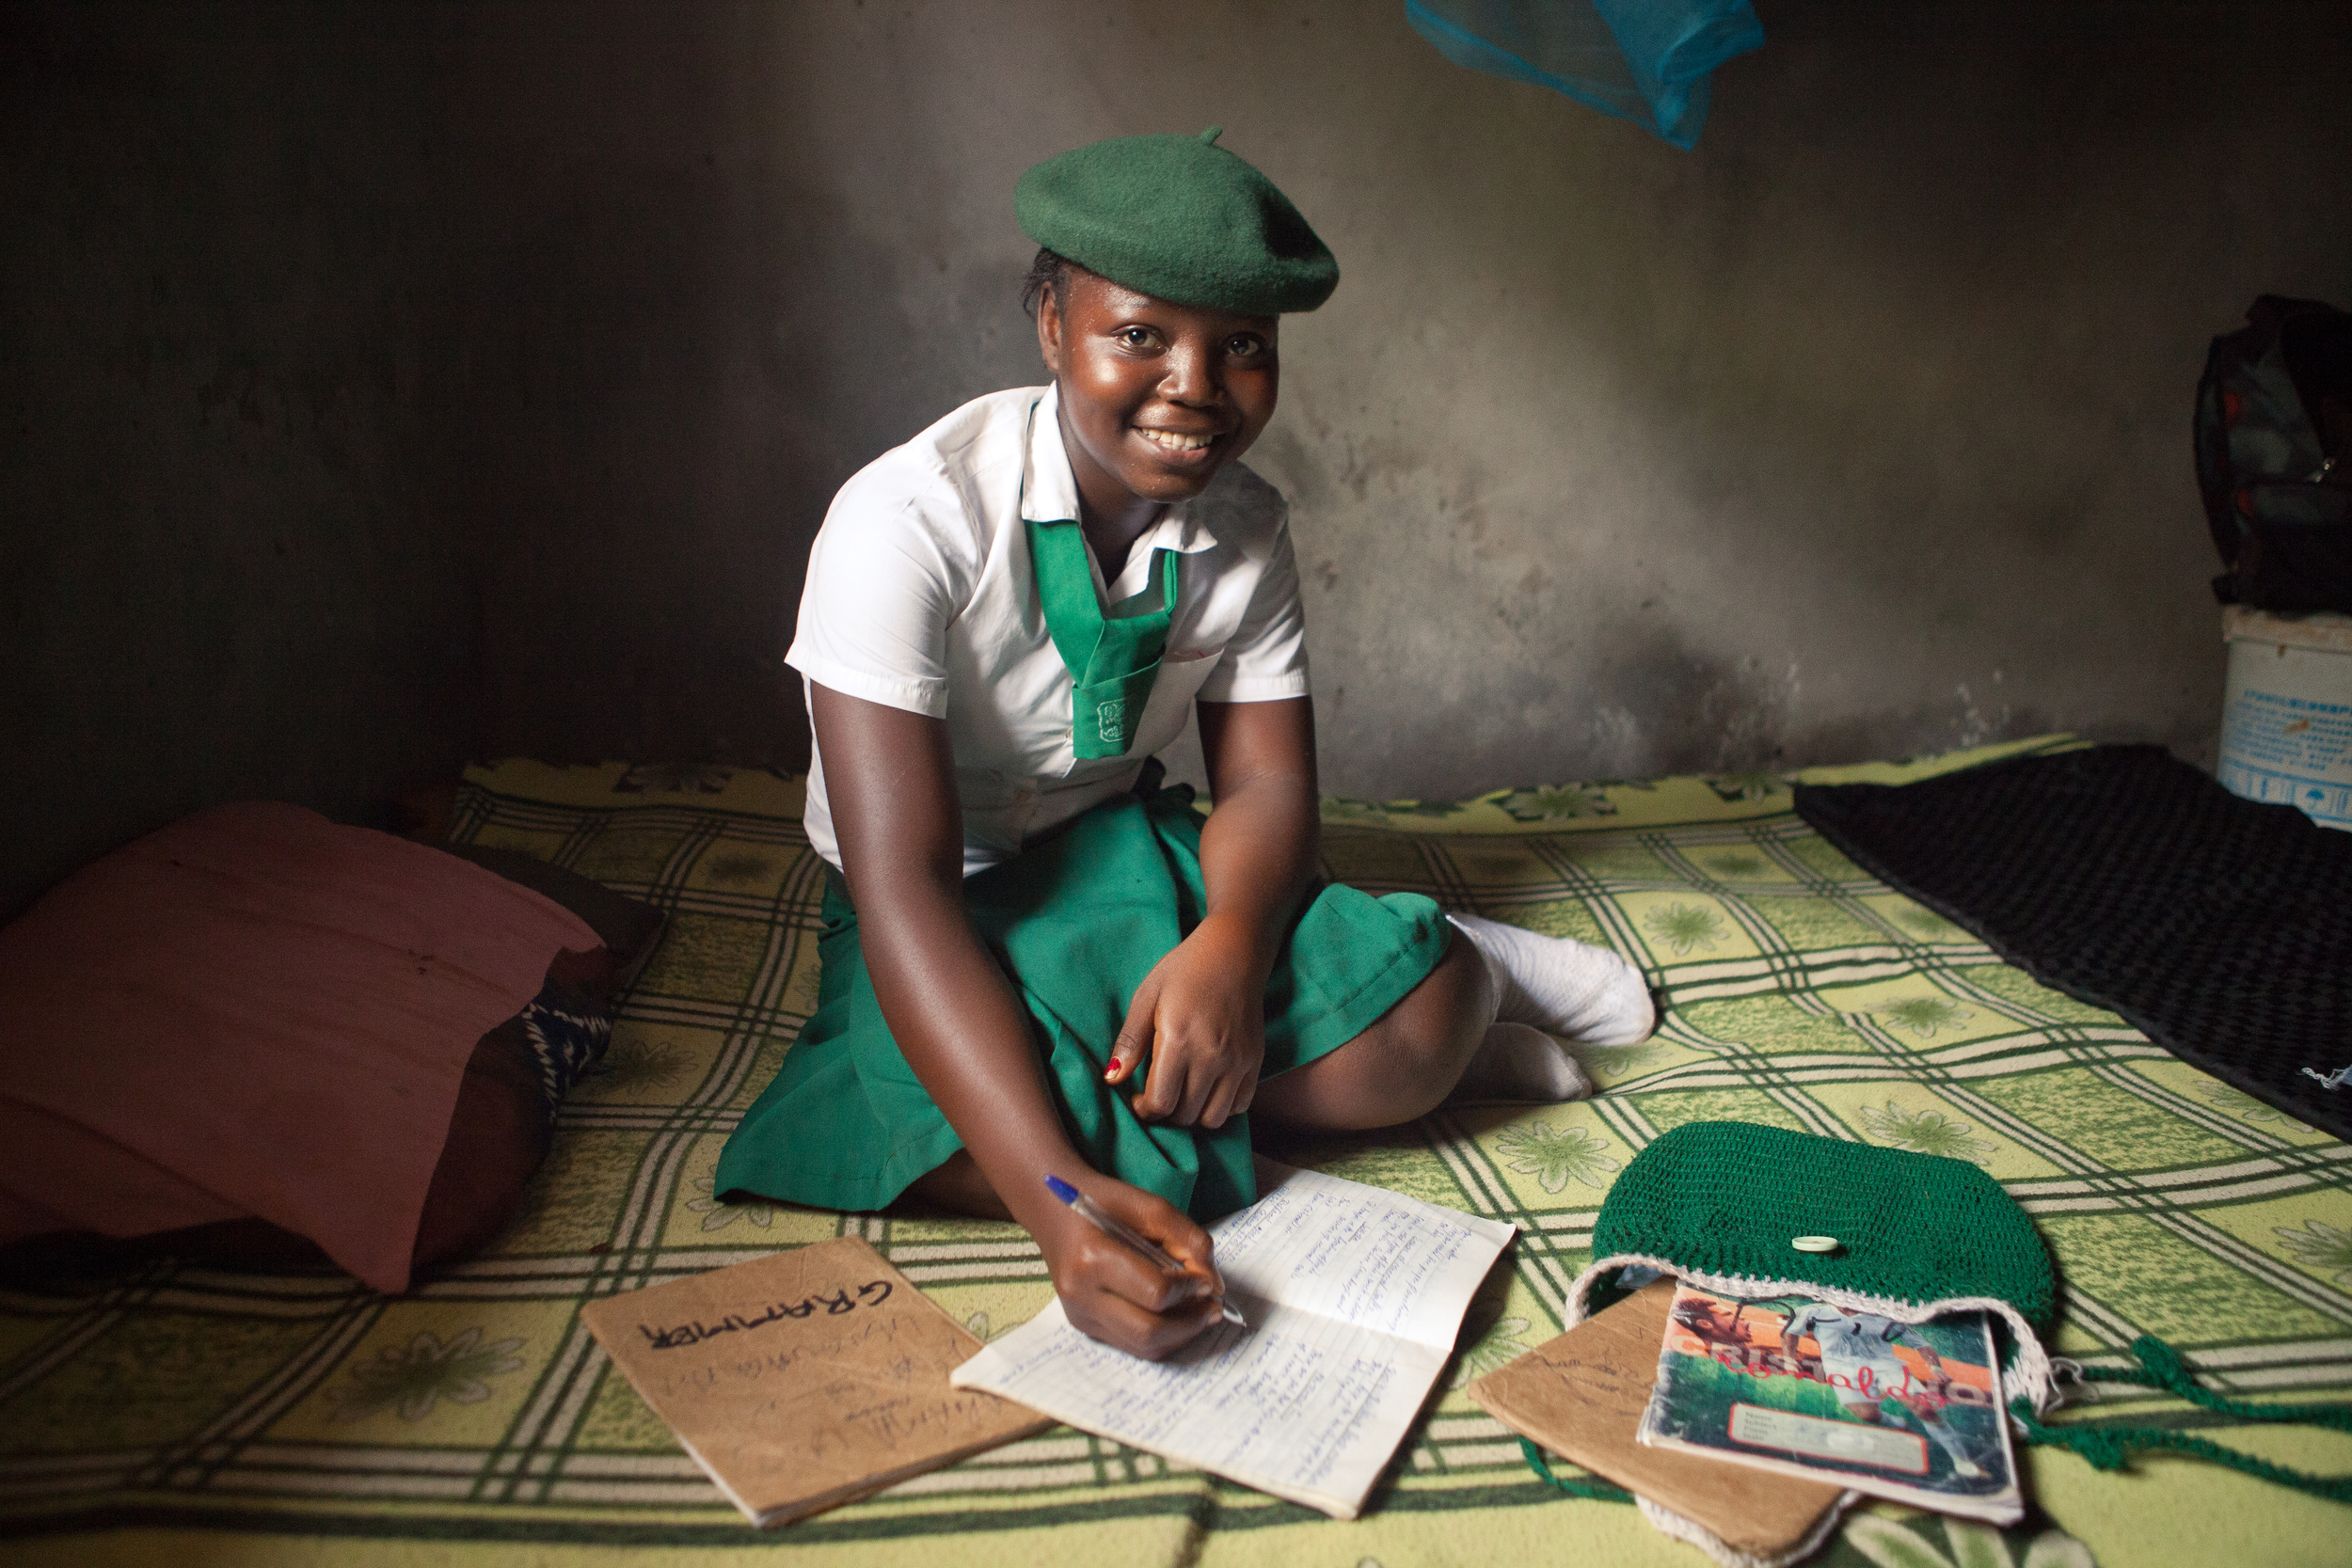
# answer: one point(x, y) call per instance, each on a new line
point(891, 783)
point(1201, 1011)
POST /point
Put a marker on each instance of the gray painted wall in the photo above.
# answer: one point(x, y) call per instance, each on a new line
point(219, 576)
point(393, 385)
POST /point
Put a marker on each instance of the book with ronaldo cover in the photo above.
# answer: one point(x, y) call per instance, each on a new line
point(1910, 1412)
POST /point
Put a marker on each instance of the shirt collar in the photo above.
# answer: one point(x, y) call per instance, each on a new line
point(1049, 491)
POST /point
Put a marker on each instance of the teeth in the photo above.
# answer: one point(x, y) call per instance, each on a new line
point(1172, 441)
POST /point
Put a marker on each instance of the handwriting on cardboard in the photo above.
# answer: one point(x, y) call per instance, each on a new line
point(805, 1379)
point(872, 1293)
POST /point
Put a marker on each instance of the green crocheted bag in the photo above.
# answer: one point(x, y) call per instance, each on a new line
point(1722, 1204)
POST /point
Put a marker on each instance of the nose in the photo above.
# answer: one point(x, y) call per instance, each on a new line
point(1191, 375)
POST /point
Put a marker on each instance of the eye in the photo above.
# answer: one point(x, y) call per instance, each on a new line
point(1246, 345)
point(1138, 338)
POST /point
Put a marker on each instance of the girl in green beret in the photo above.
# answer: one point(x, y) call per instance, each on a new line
point(1034, 963)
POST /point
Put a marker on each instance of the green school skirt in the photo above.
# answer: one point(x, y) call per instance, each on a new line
point(1078, 921)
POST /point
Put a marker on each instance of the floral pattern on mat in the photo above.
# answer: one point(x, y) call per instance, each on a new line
point(473, 1422)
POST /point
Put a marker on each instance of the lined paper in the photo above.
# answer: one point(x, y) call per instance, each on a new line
point(1354, 1296)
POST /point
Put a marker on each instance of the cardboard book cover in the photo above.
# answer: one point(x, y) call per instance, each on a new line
point(1910, 1412)
point(1583, 1394)
point(805, 1379)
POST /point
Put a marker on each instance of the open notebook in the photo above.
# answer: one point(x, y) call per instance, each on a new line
point(1354, 1295)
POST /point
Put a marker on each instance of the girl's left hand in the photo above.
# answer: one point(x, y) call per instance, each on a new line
point(1201, 1015)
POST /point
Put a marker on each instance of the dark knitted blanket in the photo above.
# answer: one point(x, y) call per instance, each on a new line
point(2220, 928)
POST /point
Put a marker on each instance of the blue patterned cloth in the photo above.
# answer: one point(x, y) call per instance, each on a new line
point(566, 1036)
point(1643, 60)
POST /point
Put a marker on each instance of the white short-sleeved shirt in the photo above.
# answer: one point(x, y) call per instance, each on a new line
point(921, 596)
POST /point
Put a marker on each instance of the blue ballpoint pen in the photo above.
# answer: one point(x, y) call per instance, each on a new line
point(1101, 1218)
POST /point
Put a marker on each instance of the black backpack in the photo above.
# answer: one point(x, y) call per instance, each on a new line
point(2274, 456)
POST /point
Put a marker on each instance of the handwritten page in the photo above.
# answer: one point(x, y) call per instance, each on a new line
point(1354, 1295)
point(804, 1379)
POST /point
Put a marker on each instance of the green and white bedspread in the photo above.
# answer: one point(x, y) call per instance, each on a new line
point(194, 1416)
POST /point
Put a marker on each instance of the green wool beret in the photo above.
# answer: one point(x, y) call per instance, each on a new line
point(1179, 218)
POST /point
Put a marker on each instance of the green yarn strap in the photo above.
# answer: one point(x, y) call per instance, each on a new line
point(2110, 1448)
point(1597, 1491)
point(2161, 1367)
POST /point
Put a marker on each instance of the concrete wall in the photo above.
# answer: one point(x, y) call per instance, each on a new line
point(219, 573)
point(399, 384)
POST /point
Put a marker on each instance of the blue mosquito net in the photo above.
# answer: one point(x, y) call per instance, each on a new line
point(1644, 60)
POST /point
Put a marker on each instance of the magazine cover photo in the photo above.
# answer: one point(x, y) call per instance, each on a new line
point(1906, 1411)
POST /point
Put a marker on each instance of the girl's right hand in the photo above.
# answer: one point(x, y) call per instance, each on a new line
point(1114, 1293)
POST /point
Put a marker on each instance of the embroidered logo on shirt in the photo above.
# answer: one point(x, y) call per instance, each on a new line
point(1111, 717)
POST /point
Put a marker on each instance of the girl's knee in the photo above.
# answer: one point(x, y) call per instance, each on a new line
point(958, 1186)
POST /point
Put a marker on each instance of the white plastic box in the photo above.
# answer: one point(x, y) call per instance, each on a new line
point(2286, 724)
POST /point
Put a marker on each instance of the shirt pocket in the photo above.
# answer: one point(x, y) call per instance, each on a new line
point(1182, 675)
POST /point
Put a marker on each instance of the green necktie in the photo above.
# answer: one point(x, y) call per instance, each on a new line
point(1113, 659)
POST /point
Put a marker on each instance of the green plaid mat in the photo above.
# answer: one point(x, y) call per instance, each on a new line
point(186, 1416)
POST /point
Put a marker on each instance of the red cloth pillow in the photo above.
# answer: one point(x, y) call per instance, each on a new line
point(255, 1013)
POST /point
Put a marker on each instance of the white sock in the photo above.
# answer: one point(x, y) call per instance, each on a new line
point(1561, 985)
point(1518, 1061)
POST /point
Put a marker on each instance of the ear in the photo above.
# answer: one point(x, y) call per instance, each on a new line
point(1049, 332)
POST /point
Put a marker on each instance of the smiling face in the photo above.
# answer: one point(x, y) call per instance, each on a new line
point(1155, 397)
